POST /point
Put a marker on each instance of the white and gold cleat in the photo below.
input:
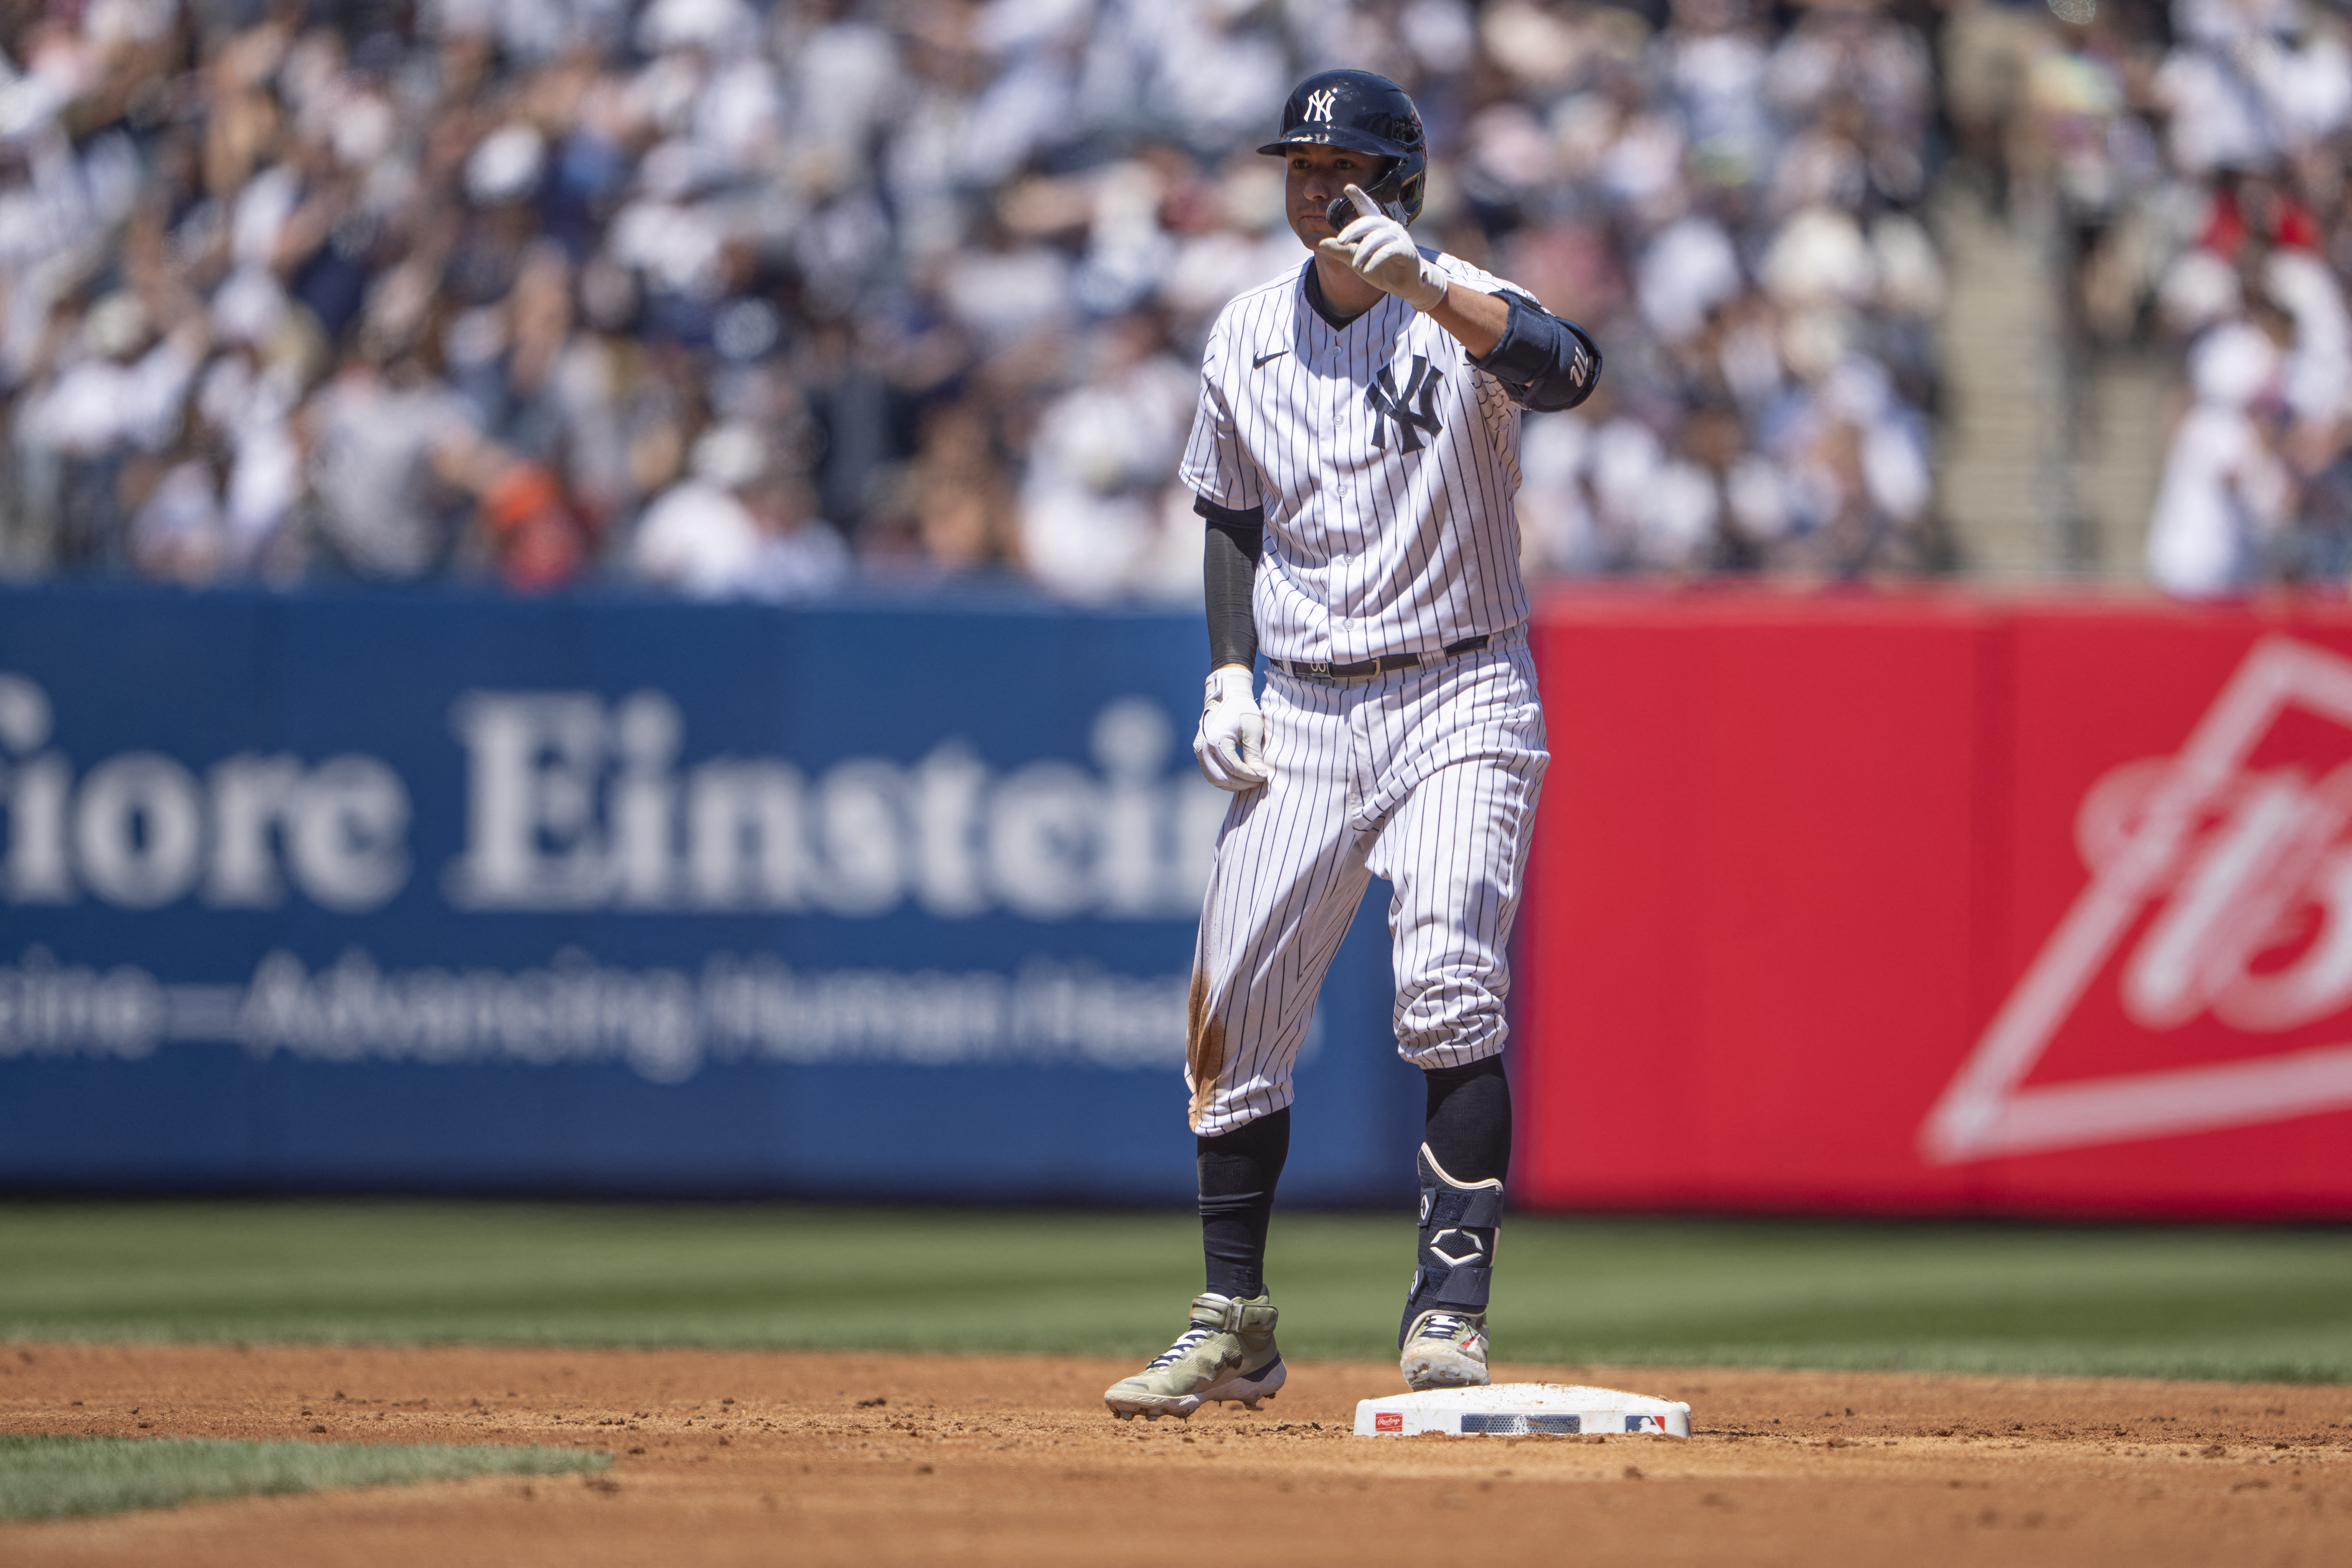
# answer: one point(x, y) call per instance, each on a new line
point(1226, 1353)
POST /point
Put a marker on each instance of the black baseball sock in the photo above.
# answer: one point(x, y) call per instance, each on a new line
point(1468, 1123)
point(1239, 1171)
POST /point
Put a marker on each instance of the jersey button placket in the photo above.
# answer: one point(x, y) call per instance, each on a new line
point(1343, 507)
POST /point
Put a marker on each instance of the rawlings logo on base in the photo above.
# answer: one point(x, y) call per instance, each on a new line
point(2221, 881)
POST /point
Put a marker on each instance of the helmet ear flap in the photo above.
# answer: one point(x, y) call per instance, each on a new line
point(1400, 199)
point(1410, 196)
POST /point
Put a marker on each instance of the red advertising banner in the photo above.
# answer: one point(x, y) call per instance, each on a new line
point(1917, 904)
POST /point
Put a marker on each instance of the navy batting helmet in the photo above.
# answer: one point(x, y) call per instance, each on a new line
point(1364, 113)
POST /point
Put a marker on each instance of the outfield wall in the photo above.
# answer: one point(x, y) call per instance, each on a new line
point(1906, 903)
point(433, 892)
point(1935, 905)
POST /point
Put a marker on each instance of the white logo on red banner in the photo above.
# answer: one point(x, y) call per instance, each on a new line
point(2238, 880)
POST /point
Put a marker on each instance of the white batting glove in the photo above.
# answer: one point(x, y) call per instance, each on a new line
point(1231, 741)
point(1381, 251)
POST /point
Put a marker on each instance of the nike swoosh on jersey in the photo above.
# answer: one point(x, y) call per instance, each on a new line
point(1262, 358)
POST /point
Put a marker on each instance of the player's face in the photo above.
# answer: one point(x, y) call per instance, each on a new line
point(1319, 176)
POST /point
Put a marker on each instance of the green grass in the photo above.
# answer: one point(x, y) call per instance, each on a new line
point(2172, 1303)
point(45, 1478)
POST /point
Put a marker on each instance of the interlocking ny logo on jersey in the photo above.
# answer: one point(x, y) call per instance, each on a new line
point(1321, 103)
point(1387, 403)
point(2220, 895)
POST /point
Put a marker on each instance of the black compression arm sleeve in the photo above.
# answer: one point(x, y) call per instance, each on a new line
point(1228, 571)
point(1544, 362)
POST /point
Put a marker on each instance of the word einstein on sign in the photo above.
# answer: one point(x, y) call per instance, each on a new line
point(575, 803)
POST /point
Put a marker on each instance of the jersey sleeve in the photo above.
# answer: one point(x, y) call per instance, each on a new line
point(1478, 277)
point(1215, 467)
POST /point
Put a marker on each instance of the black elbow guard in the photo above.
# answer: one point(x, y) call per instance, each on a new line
point(1544, 363)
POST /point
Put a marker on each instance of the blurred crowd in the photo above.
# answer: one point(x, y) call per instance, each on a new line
point(2255, 101)
point(2190, 161)
point(754, 300)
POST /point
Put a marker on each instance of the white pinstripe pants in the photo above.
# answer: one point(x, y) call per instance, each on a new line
point(1426, 776)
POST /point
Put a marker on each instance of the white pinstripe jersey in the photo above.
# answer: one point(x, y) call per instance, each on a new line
point(1386, 462)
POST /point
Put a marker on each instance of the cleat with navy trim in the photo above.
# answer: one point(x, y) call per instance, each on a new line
point(1225, 1353)
point(1446, 1350)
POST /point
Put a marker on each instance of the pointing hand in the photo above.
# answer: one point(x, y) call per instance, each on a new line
point(1379, 250)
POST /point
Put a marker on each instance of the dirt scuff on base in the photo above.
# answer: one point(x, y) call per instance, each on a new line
point(724, 1458)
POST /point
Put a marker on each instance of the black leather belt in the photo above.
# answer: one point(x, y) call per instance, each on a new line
point(1324, 670)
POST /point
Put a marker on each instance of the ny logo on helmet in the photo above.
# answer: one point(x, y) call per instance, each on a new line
point(1388, 403)
point(1320, 104)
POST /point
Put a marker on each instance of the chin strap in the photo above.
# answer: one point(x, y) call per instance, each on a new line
point(1456, 1265)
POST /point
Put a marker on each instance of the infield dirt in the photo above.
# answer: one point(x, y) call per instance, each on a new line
point(725, 1457)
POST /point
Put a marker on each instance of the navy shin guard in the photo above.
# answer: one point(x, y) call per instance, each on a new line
point(1456, 1265)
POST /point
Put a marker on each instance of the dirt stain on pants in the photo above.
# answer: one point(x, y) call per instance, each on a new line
point(1204, 1048)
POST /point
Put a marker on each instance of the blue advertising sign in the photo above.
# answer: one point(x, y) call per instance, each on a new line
point(452, 892)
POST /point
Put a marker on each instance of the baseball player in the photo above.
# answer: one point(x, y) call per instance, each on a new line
point(1355, 454)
